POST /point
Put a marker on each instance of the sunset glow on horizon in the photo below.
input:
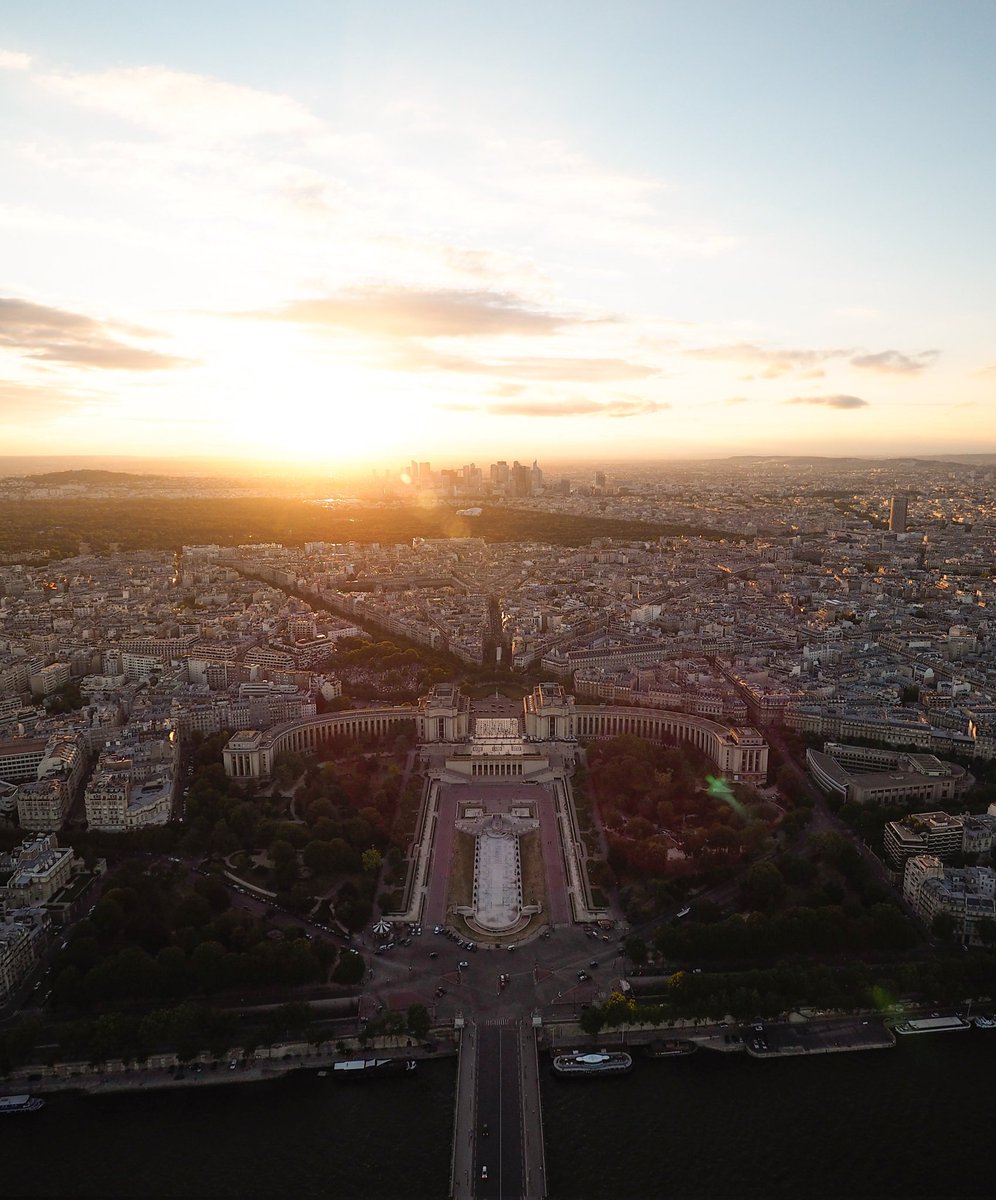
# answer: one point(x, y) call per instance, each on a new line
point(339, 234)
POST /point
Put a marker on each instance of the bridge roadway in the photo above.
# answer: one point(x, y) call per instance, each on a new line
point(498, 1123)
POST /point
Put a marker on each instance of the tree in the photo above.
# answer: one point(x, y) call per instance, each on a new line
point(214, 892)
point(349, 970)
point(319, 858)
point(762, 887)
point(943, 926)
point(418, 1021)
point(986, 930)
point(635, 949)
point(591, 1020)
point(372, 860)
point(209, 966)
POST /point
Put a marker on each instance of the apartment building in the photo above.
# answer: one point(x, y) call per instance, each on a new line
point(899, 777)
point(967, 895)
point(117, 801)
point(17, 954)
point(34, 871)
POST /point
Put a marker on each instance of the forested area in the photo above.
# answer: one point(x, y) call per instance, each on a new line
point(166, 523)
point(770, 992)
point(667, 818)
point(155, 935)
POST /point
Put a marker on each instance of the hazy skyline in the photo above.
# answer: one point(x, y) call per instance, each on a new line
point(342, 232)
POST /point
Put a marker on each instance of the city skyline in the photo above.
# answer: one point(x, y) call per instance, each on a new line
point(662, 232)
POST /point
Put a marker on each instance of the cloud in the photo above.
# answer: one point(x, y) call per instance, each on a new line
point(895, 363)
point(730, 401)
point(985, 372)
point(535, 368)
point(431, 313)
point(13, 60)
point(179, 104)
point(622, 406)
point(17, 399)
point(413, 317)
point(55, 335)
point(30, 402)
point(809, 364)
point(830, 401)
point(771, 364)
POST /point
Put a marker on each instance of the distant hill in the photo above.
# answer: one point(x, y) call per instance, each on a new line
point(92, 476)
point(850, 462)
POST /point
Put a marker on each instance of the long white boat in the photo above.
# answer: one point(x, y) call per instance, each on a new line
point(934, 1025)
point(371, 1068)
point(589, 1063)
point(20, 1104)
point(984, 1022)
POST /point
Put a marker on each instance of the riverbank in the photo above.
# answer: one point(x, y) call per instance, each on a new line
point(114, 1077)
point(767, 1039)
point(797, 1036)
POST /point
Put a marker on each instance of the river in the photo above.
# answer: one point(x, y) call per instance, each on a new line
point(908, 1122)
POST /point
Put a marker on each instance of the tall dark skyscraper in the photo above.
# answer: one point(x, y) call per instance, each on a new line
point(898, 510)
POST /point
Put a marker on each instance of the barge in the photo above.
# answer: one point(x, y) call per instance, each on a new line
point(602, 1062)
point(670, 1048)
point(20, 1104)
point(933, 1025)
point(371, 1068)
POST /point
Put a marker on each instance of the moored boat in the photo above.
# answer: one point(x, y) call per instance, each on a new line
point(371, 1068)
point(984, 1022)
point(589, 1062)
point(20, 1104)
point(949, 1024)
point(670, 1048)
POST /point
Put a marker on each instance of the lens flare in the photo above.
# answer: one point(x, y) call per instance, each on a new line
point(719, 789)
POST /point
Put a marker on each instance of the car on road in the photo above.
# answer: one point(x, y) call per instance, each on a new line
point(593, 963)
point(583, 976)
point(437, 929)
point(440, 991)
point(462, 965)
point(433, 953)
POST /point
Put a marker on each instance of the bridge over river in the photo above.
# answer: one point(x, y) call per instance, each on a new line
point(498, 1125)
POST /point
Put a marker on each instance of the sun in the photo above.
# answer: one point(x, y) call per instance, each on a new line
point(276, 393)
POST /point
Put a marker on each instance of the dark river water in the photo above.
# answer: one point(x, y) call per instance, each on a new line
point(910, 1122)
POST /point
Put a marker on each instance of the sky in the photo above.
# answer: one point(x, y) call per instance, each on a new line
point(349, 233)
